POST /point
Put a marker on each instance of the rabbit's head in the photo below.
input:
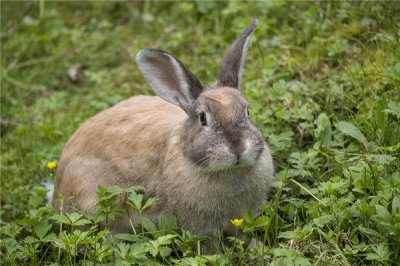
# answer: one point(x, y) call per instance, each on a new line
point(217, 134)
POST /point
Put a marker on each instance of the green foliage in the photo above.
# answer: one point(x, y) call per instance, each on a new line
point(323, 84)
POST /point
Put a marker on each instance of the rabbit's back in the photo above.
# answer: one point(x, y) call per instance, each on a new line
point(123, 145)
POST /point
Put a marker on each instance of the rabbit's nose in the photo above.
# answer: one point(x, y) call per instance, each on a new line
point(240, 152)
point(237, 148)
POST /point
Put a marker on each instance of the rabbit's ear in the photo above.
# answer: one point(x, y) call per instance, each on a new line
point(169, 78)
point(232, 66)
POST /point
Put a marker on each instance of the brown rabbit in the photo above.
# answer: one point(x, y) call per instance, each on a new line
point(192, 147)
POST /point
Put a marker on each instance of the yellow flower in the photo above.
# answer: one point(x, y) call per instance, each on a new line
point(237, 222)
point(52, 164)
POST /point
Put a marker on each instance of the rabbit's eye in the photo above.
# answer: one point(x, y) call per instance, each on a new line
point(203, 119)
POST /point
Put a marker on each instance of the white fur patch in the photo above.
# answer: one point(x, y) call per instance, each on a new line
point(50, 191)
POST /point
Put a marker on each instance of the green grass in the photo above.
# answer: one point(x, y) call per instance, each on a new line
point(323, 80)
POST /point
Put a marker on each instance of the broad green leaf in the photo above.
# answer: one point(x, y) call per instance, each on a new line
point(122, 250)
point(380, 253)
point(168, 222)
point(60, 218)
point(248, 217)
point(352, 131)
point(288, 235)
point(382, 216)
point(322, 122)
point(30, 240)
point(139, 250)
point(165, 251)
point(82, 222)
point(370, 231)
point(148, 225)
point(136, 199)
point(383, 213)
point(393, 72)
point(283, 114)
point(165, 240)
point(10, 229)
point(396, 206)
point(41, 229)
point(323, 220)
point(287, 256)
point(393, 148)
point(74, 217)
point(297, 234)
point(149, 203)
point(261, 221)
point(324, 129)
point(383, 159)
point(393, 108)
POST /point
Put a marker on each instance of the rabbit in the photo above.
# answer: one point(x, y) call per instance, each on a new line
point(192, 147)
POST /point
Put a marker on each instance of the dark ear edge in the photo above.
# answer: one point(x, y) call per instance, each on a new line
point(169, 78)
point(232, 66)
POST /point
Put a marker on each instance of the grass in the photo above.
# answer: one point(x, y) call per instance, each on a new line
point(323, 80)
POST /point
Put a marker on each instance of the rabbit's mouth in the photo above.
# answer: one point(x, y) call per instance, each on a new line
point(227, 170)
point(225, 159)
point(242, 164)
point(229, 165)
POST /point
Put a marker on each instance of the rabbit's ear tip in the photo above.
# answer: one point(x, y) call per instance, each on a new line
point(252, 26)
point(142, 52)
point(139, 54)
point(143, 55)
point(254, 23)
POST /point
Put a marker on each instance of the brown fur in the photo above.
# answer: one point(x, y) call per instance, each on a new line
point(205, 174)
point(127, 145)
